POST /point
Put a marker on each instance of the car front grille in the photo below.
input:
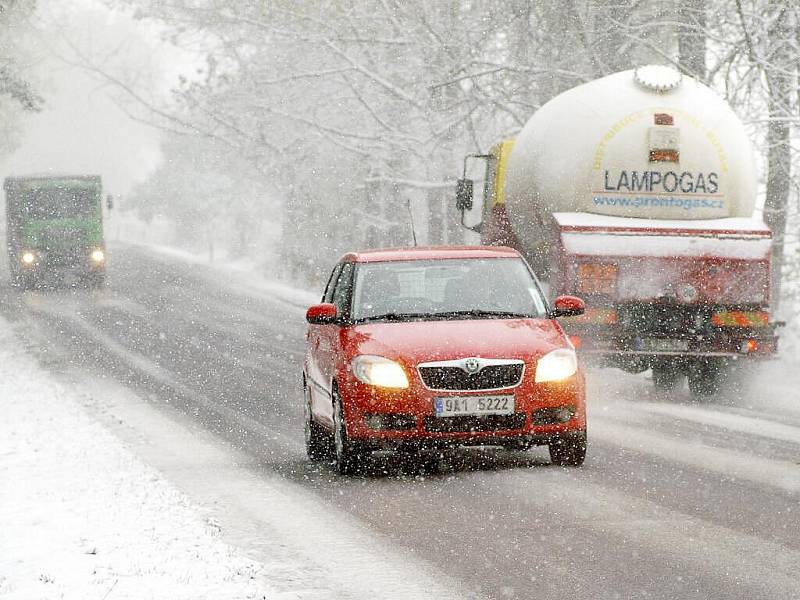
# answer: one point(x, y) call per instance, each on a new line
point(474, 424)
point(490, 377)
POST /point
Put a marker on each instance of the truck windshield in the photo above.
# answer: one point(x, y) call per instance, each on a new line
point(59, 203)
point(446, 289)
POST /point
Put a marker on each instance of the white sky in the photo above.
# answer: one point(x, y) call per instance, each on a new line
point(82, 128)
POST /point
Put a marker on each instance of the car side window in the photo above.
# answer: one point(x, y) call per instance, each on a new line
point(343, 290)
point(328, 295)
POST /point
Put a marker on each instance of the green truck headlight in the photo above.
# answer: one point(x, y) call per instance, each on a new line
point(98, 255)
point(28, 258)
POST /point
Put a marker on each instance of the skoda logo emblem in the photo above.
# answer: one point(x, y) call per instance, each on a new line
point(472, 365)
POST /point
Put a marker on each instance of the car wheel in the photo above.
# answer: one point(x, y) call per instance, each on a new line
point(665, 378)
point(318, 443)
point(568, 450)
point(345, 452)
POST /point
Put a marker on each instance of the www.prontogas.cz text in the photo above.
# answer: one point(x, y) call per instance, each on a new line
point(655, 202)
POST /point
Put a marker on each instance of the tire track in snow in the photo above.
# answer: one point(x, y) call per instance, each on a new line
point(734, 464)
point(160, 375)
point(738, 561)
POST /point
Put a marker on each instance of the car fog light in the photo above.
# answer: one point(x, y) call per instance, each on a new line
point(379, 371)
point(557, 365)
point(396, 422)
point(98, 255)
point(553, 416)
point(374, 421)
point(28, 258)
point(563, 414)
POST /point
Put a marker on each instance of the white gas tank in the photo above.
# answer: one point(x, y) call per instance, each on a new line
point(647, 143)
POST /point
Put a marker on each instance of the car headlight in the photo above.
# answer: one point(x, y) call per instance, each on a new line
point(379, 371)
point(556, 365)
point(98, 255)
point(28, 258)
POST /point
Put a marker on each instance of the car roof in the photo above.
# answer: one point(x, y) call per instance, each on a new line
point(430, 253)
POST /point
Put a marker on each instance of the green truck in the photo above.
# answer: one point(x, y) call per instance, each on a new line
point(55, 230)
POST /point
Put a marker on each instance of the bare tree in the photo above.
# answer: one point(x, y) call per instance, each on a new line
point(691, 32)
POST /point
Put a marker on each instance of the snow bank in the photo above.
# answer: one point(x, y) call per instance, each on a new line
point(82, 517)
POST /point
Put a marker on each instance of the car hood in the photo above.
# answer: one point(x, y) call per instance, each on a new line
point(422, 341)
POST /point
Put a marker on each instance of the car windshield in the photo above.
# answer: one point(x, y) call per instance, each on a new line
point(446, 288)
point(59, 203)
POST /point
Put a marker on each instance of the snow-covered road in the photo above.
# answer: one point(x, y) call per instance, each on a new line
point(189, 376)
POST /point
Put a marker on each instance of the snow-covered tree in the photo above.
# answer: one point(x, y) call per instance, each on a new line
point(16, 93)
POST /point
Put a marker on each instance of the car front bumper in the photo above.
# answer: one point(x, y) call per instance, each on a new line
point(391, 419)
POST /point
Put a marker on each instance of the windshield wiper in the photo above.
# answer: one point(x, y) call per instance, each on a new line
point(392, 316)
point(450, 314)
point(476, 312)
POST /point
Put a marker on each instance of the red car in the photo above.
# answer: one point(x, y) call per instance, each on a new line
point(422, 348)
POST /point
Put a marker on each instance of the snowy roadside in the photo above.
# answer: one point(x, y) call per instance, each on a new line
point(84, 518)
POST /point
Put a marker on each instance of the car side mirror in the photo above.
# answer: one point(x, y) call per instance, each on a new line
point(321, 314)
point(567, 306)
point(464, 194)
point(109, 202)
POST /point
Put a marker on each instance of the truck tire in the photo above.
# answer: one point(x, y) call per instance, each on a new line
point(97, 281)
point(666, 378)
point(704, 379)
point(568, 450)
point(24, 282)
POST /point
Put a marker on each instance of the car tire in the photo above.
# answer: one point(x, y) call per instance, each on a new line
point(344, 450)
point(568, 450)
point(318, 442)
point(666, 378)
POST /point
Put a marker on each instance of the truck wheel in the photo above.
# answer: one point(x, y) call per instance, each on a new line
point(94, 281)
point(24, 282)
point(666, 378)
point(318, 442)
point(704, 378)
point(345, 451)
point(568, 450)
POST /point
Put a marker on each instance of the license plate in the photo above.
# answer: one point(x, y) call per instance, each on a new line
point(663, 345)
point(450, 406)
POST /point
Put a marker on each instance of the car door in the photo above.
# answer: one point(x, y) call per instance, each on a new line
point(318, 391)
point(329, 351)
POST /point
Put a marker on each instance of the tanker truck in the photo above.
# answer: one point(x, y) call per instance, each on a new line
point(636, 192)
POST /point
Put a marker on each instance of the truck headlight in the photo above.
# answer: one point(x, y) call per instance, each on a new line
point(379, 371)
point(556, 365)
point(98, 255)
point(28, 258)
